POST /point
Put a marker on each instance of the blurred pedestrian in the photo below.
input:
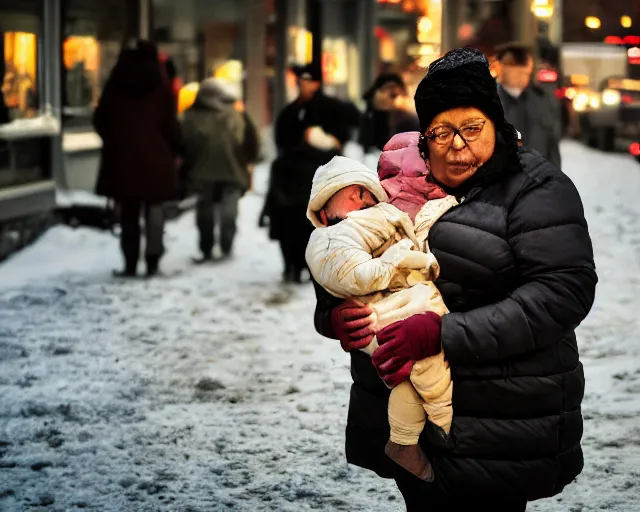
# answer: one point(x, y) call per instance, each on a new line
point(534, 113)
point(221, 143)
point(5, 116)
point(387, 113)
point(308, 133)
point(137, 121)
point(171, 71)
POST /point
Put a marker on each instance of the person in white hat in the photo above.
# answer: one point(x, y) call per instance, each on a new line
point(365, 247)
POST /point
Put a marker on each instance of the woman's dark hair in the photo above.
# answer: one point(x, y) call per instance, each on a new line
point(517, 53)
point(138, 69)
point(381, 81)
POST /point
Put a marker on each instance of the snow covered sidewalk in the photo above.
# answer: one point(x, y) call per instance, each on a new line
point(209, 389)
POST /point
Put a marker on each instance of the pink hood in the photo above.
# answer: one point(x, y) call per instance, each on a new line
point(403, 173)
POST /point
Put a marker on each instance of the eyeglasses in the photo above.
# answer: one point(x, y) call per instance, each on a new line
point(444, 135)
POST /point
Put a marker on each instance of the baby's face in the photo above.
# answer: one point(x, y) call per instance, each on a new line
point(349, 199)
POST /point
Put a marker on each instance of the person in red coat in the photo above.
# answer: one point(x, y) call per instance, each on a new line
point(137, 121)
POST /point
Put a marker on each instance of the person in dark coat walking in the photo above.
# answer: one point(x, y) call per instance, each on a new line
point(383, 118)
point(518, 276)
point(534, 113)
point(308, 133)
point(5, 116)
point(137, 121)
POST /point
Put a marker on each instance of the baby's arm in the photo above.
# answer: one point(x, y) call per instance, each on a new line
point(402, 304)
point(345, 267)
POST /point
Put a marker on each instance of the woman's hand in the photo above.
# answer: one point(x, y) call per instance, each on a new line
point(316, 137)
point(404, 343)
point(350, 321)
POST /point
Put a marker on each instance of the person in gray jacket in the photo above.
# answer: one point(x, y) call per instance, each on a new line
point(221, 142)
point(534, 113)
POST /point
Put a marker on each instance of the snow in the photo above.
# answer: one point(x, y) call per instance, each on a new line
point(208, 388)
point(69, 198)
point(44, 125)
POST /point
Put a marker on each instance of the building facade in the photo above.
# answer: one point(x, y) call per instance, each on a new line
point(58, 54)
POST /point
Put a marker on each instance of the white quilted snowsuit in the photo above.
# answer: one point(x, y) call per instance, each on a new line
point(379, 256)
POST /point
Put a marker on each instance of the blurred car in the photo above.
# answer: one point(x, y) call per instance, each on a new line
point(604, 100)
point(609, 114)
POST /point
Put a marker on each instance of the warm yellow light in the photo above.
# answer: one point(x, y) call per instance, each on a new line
point(187, 95)
point(230, 71)
point(424, 25)
point(542, 8)
point(592, 22)
point(611, 97)
point(581, 102)
point(543, 12)
point(579, 79)
point(626, 21)
point(85, 49)
point(20, 57)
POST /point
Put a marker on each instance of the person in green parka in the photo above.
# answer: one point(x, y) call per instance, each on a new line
point(221, 143)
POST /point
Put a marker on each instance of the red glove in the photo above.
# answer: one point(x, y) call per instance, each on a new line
point(350, 321)
point(403, 343)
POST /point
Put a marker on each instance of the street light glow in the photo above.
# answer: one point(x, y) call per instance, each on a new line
point(626, 21)
point(592, 22)
point(542, 8)
point(424, 25)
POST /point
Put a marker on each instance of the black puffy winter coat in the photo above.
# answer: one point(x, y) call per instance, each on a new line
point(518, 276)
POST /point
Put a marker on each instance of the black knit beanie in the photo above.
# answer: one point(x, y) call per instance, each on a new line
point(461, 78)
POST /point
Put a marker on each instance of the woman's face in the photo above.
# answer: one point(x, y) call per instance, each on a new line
point(385, 97)
point(460, 140)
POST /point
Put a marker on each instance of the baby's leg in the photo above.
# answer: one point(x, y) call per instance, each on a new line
point(406, 414)
point(431, 378)
point(406, 419)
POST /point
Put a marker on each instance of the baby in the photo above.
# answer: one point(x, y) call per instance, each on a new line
point(381, 256)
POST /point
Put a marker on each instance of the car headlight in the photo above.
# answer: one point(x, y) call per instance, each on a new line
point(581, 102)
point(594, 101)
point(611, 97)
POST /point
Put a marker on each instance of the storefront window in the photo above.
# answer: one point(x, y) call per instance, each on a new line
point(23, 158)
point(92, 36)
point(201, 39)
point(409, 33)
point(20, 29)
point(300, 46)
point(81, 60)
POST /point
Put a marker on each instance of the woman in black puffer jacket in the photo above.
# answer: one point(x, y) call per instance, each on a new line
point(518, 276)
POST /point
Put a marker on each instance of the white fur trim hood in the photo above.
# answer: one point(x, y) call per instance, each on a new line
point(339, 173)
